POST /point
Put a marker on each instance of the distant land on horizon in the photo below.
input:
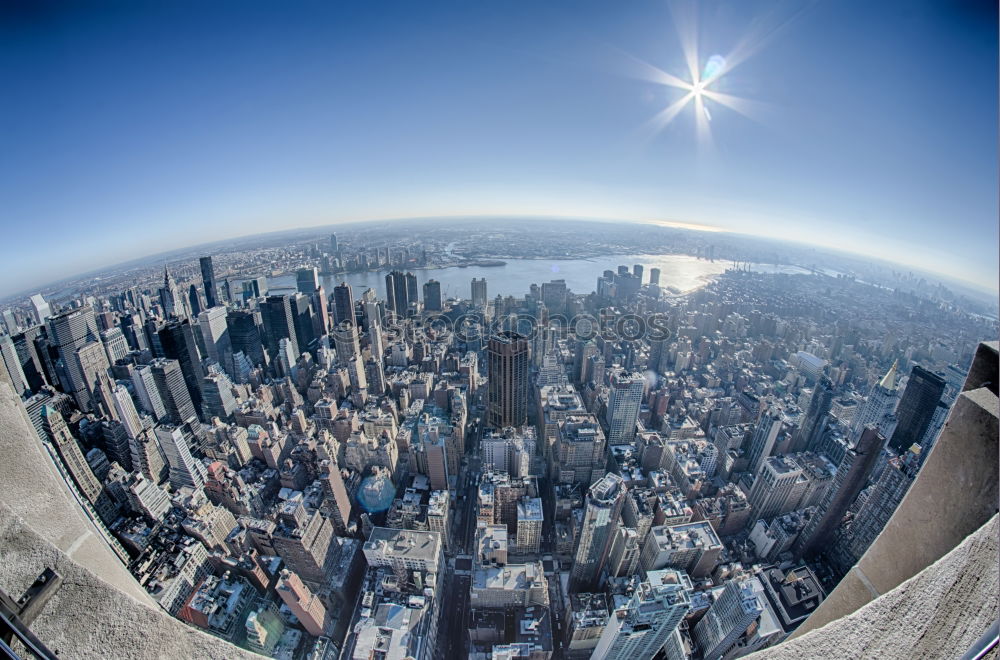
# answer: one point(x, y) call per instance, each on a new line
point(962, 287)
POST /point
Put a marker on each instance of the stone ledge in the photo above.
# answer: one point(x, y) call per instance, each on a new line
point(939, 613)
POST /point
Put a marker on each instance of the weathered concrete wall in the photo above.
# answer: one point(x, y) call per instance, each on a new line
point(99, 611)
point(939, 613)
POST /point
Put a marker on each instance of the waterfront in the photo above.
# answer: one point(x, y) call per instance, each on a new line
point(681, 272)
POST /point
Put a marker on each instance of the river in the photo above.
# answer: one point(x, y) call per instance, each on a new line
point(682, 272)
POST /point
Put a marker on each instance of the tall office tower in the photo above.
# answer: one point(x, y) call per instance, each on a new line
point(916, 408)
point(346, 341)
point(179, 343)
point(68, 332)
point(215, 337)
point(479, 292)
point(579, 449)
point(169, 379)
point(641, 626)
point(305, 328)
point(343, 304)
point(624, 400)
point(41, 308)
point(727, 619)
point(432, 296)
point(334, 246)
point(637, 271)
point(218, 400)
point(304, 604)
point(654, 276)
point(76, 465)
point(776, 487)
point(507, 392)
point(396, 294)
point(623, 558)
point(194, 301)
point(854, 537)
point(146, 497)
point(336, 501)
point(412, 290)
point(10, 321)
point(810, 431)
point(304, 544)
point(148, 393)
point(208, 280)
point(600, 520)
point(185, 470)
point(763, 439)
point(254, 288)
point(554, 294)
point(115, 344)
point(26, 345)
point(278, 323)
point(12, 364)
point(852, 475)
point(90, 362)
point(306, 280)
point(147, 457)
point(169, 298)
point(245, 336)
point(127, 414)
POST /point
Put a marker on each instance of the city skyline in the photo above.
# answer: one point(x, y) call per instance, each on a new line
point(521, 111)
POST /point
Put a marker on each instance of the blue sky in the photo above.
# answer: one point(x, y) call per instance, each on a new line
point(130, 128)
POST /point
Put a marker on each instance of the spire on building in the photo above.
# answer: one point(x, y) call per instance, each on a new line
point(889, 380)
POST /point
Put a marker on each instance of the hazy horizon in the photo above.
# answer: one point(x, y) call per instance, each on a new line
point(167, 254)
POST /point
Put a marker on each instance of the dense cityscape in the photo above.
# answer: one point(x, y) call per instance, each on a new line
point(310, 446)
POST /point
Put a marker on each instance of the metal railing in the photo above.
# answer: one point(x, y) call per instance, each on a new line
point(16, 616)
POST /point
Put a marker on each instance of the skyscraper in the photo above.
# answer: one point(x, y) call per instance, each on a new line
point(916, 408)
point(727, 619)
point(624, 400)
point(343, 304)
point(215, 336)
point(811, 429)
point(76, 465)
point(396, 293)
point(654, 276)
point(179, 343)
point(10, 361)
point(69, 332)
point(208, 280)
point(169, 298)
point(507, 393)
point(879, 406)
point(857, 534)
point(763, 439)
point(279, 323)
point(185, 470)
point(411, 289)
point(852, 475)
point(600, 520)
point(478, 292)
point(307, 280)
point(170, 385)
point(245, 335)
point(334, 245)
point(641, 626)
point(432, 296)
point(304, 604)
point(40, 307)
